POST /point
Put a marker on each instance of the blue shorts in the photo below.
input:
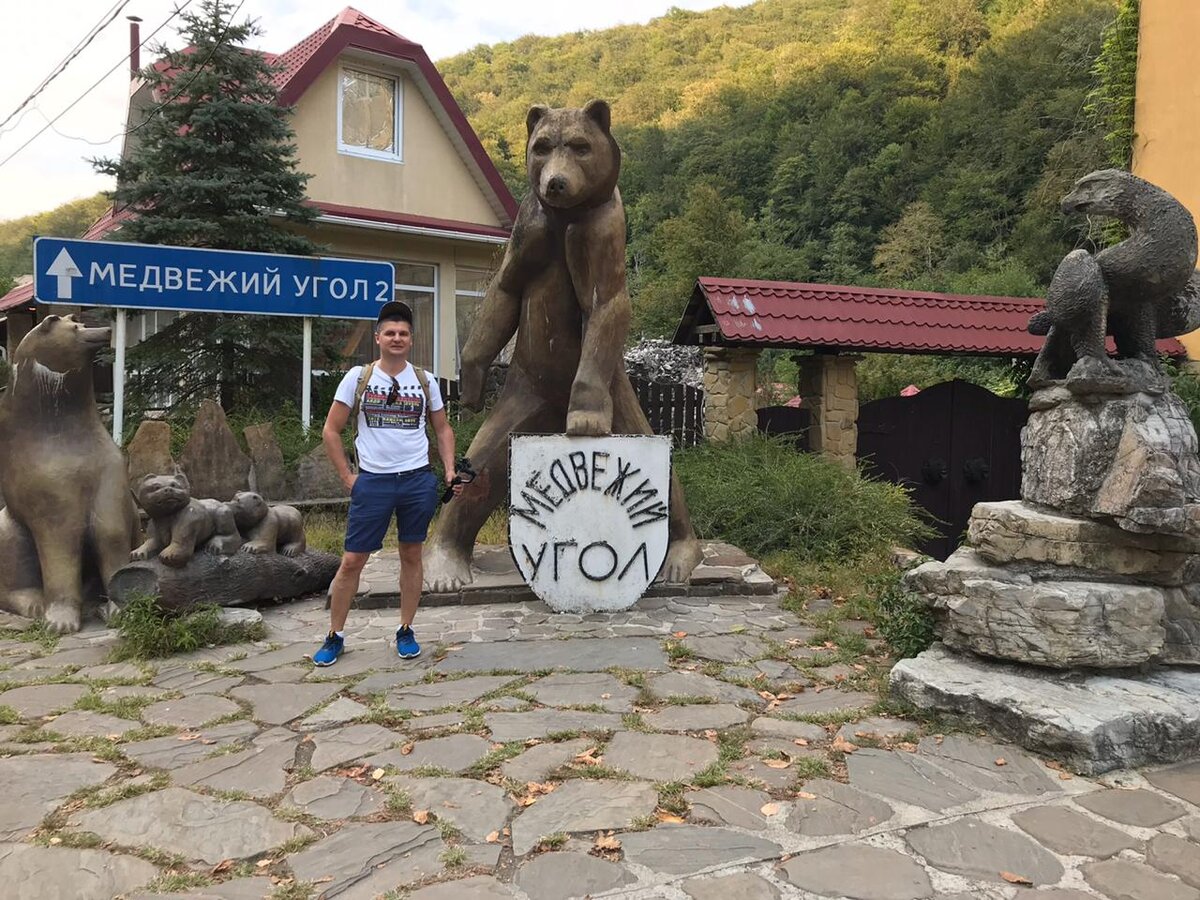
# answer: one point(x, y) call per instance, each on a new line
point(411, 496)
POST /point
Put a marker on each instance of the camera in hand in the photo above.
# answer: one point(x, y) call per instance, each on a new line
point(463, 474)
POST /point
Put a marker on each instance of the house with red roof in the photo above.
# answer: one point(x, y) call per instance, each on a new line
point(397, 175)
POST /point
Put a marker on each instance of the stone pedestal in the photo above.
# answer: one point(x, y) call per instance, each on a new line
point(1057, 599)
point(730, 388)
point(828, 386)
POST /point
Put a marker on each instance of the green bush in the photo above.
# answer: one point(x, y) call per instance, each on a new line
point(763, 496)
point(147, 631)
point(903, 619)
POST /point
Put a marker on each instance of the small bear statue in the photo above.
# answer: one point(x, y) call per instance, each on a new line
point(180, 525)
point(267, 529)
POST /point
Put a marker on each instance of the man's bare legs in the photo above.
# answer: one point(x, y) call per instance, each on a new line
point(411, 569)
point(344, 587)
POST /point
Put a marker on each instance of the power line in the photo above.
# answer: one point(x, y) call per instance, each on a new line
point(66, 61)
point(95, 84)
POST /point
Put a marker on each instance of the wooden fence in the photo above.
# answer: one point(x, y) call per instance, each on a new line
point(674, 409)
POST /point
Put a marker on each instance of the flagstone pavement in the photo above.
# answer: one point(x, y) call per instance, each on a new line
point(704, 748)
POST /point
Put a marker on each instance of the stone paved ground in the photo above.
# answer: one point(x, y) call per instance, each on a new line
point(709, 749)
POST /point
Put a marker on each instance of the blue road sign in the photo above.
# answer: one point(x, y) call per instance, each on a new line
point(145, 276)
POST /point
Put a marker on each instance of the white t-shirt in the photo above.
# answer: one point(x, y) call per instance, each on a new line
point(391, 438)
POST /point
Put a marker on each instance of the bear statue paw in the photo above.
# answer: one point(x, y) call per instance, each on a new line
point(589, 423)
point(63, 617)
point(682, 557)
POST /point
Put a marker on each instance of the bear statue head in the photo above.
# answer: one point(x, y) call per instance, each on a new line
point(61, 345)
point(163, 495)
point(248, 508)
point(1107, 192)
point(571, 157)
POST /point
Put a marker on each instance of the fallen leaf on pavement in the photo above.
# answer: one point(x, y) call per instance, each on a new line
point(493, 837)
point(607, 842)
point(406, 749)
point(805, 795)
point(843, 745)
point(1002, 761)
point(377, 774)
point(263, 863)
point(800, 742)
point(770, 809)
point(420, 816)
point(777, 763)
point(1065, 776)
point(1012, 878)
point(680, 634)
point(223, 866)
point(766, 695)
point(664, 816)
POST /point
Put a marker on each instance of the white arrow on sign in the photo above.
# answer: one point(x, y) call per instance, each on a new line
point(64, 269)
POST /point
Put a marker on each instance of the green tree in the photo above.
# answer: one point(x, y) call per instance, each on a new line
point(210, 164)
point(911, 246)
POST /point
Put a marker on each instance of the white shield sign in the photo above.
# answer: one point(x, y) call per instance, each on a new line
point(588, 517)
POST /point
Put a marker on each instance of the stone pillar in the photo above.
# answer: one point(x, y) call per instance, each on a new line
point(828, 386)
point(730, 383)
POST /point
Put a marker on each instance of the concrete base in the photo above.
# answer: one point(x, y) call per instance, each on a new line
point(725, 571)
point(1093, 723)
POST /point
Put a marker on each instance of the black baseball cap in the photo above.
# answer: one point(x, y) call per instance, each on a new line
point(395, 309)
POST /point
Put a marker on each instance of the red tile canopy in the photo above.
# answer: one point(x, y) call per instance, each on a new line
point(740, 312)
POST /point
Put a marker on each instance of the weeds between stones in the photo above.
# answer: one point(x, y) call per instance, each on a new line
point(147, 631)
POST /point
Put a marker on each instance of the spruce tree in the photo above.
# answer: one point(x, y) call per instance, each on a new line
point(209, 164)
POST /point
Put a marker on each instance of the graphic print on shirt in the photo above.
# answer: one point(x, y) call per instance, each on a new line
point(404, 413)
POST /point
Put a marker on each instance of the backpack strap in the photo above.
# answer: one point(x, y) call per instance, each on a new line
point(361, 388)
point(423, 380)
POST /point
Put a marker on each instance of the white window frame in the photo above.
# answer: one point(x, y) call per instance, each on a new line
point(463, 292)
point(434, 292)
point(367, 152)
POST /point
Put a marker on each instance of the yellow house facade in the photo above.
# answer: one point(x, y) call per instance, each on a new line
point(397, 174)
point(1166, 149)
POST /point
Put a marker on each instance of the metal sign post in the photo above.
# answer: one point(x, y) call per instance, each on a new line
point(146, 276)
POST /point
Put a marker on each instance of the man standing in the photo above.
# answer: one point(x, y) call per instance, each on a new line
point(390, 401)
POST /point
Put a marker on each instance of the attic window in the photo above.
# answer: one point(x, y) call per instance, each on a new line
point(369, 114)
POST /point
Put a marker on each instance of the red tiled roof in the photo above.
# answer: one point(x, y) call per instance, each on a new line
point(858, 318)
point(22, 295)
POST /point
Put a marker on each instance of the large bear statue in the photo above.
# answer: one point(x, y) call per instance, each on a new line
point(561, 289)
point(70, 521)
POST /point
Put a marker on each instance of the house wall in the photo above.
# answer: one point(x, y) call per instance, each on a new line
point(447, 255)
point(1166, 148)
point(432, 180)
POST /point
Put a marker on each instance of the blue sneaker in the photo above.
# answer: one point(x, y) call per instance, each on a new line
point(330, 650)
point(406, 643)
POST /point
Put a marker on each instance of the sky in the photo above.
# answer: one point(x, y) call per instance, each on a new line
point(41, 171)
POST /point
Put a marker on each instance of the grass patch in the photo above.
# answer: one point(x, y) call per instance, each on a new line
point(9, 716)
point(122, 707)
point(495, 758)
point(551, 842)
point(448, 830)
point(147, 631)
point(903, 618)
point(672, 799)
point(453, 857)
point(677, 651)
point(178, 882)
point(296, 890)
point(37, 633)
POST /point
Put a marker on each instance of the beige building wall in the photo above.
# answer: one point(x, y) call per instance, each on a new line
point(1166, 148)
point(432, 180)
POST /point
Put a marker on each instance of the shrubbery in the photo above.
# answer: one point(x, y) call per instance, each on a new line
point(763, 496)
point(149, 632)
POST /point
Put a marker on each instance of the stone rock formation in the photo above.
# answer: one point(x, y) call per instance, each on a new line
point(215, 464)
point(1091, 581)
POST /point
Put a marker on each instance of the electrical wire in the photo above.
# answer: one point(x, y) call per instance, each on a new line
point(66, 61)
point(95, 84)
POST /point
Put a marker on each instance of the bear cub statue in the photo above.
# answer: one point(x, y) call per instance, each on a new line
point(180, 525)
point(267, 529)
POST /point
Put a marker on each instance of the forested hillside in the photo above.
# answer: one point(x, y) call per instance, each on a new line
point(16, 235)
point(920, 143)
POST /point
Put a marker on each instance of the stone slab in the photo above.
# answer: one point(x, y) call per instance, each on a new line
point(83, 723)
point(1094, 723)
point(342, 745)
point(425, 697)
point(190, 712)
point(978, 850)
point(362, 861)
point(1072, 833)
point(697, 717)
point(687, 849)
point(382, 682)
point(1011, 530)
point(476, 808)
point(829, 700)
point(333, 798)
point(972, 761)
point(575, 654)
point(908, 778)
point(660, 757)
point(193, 826)
point(583, 689)
point(876, 728)
point(737, 807)
point(1061, 624)
point(277, 705)
point(582, 806)
point(858, 872)
point(694, 684)
point(1140, 808)
point(726, 648)
point(788, 729)
point(339, 712)
point(541, 723)
point(742, 886)
point(258, 771)
point(60, 873)
point(35, 785)
point(477, 887)
point(194, 681)
point(1182, 780)
point(566, 876)
point(1123, 879)
point(835, 809)
point(36, 700)
point(174, 751)
point(455, 753)
point(539, 761)
point(1175, 856)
